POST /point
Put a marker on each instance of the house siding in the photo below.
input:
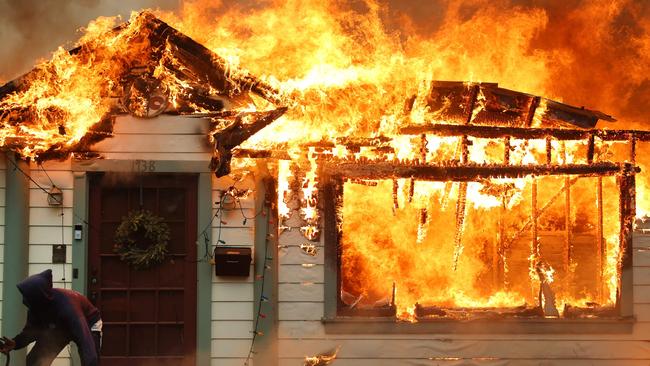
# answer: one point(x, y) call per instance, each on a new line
point(301, 332)
point(232, 297)
point(46, 227)
point(165, 138)
point(301, 302)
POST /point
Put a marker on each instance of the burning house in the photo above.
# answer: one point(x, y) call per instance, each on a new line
point(475, 224)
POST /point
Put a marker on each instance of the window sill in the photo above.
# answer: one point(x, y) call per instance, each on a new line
point(356, 325)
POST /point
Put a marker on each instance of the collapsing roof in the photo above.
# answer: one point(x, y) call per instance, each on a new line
point(152, 68)
point(156, 69)
point(487, 104)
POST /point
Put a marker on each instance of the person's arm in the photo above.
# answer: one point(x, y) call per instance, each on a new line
point(7, 345)
point(28, 334)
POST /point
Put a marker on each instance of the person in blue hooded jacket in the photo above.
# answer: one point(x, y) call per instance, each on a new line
point(55, 317)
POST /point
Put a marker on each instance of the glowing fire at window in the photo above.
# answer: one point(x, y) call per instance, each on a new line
point(385, 245)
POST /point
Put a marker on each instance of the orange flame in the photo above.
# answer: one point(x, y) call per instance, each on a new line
point(344, 71)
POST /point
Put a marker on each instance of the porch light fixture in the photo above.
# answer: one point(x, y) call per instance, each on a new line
point(55, 196)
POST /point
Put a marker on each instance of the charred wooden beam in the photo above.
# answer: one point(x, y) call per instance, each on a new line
point(423, 311)
point(462, 172)
point(627, 209)
point(600, 240)
point(534, 219)
point(204, 102)
point(424, 150)
point(380, 144)
point(321, 144)
point(530, 115)
point(365, 182)
point(244, 126)
point(7, 89)
point(498, 251)
point(568, 243)
point(205, 63)
point(575, 312)
point(472, 103)
point(362, 142)
point(464, 149)
point(461, 210)
point(524, 133)
point(590, 149)
point(395, 196)
point(464, 141)
point(261, 154)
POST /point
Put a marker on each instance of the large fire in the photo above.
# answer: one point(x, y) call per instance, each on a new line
point(358, 71)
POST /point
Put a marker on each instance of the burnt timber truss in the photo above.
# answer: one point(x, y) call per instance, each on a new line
point(334, 172)
point(506, 116)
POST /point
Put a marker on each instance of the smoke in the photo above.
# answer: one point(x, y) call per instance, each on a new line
point(31, 30)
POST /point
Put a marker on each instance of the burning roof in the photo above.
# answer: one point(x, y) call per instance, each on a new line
point(491, 105)
point(144, 67)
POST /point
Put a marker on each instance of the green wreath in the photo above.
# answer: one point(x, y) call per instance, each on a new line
point(141, 239)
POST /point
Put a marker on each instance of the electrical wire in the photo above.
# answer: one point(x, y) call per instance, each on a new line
point(48, 176)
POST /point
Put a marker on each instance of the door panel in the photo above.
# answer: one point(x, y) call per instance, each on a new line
point(149, 315)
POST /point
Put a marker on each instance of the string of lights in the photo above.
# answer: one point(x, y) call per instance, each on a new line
point(263, 298)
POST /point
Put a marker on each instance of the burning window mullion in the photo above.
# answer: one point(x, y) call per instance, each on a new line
point(627, 209)
point(601, 244)
point(369, 170)
point(568, 243)
point(461, 205)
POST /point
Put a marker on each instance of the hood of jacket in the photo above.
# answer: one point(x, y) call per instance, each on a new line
point(37, 289)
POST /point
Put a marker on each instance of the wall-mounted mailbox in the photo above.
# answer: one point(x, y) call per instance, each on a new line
point(232, 261)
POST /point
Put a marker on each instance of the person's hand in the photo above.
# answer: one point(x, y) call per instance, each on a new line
point(7, 344)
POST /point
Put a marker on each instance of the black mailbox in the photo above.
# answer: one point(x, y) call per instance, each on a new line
point(232, 261)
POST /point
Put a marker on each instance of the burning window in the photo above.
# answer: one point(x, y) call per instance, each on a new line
point(504, 204)
point(475, 239)
point(430, 249)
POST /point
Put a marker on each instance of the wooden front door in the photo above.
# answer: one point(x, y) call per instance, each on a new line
point(149, 315)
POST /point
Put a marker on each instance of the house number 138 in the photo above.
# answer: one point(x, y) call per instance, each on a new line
point(144, 165)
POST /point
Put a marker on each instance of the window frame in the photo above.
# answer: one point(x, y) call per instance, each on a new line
point(333, 178)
